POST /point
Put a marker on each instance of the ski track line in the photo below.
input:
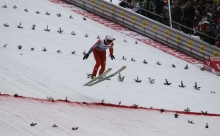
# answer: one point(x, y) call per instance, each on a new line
point(93, 104)
point(128, 32)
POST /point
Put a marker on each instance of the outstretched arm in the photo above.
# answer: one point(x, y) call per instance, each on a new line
point(111, 50)
point(91, 49)
point(94, 46)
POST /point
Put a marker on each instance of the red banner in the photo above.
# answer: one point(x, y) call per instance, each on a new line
point(213, 65)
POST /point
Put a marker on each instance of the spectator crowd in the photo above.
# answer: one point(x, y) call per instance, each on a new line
point(193, 17)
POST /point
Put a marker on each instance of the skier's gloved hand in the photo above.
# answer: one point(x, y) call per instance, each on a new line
point(86, 56)
point(112, 57)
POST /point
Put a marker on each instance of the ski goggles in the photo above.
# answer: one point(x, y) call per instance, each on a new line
point(109, 41)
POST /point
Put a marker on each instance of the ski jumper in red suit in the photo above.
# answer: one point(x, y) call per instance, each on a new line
point(100, 55)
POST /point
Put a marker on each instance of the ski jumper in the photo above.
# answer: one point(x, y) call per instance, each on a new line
point(100, 55)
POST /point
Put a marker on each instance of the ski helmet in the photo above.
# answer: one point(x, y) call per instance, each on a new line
point(109, 38)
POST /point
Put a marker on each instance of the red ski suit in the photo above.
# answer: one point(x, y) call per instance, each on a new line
point(100, 57)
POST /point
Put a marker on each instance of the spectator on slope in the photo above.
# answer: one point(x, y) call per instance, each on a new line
point(123, 4)
point(195, 5)
point(140, 6)
point(147, 5)
point(185, 1)
point(129, 4)
point(99, 52)
point(211, 34)
point(203, 24)
point(215, 5)
point(207, 6)
point(188, 17)
point(159, 9)
point(209, 16)
point(201, 8)
point(176, 14)
point(197, 19)
point(201, 11)
point(180, 3)
point(165, 16)
point(136, 5)
point(218, 15)
point(214, 28)
point(213, 17)
point(218, 41)
point(218, 28)
point(210, 10)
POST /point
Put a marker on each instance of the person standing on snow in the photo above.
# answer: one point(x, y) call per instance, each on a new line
point(99, 52)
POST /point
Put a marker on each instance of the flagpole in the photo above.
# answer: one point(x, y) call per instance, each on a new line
point(170, 13)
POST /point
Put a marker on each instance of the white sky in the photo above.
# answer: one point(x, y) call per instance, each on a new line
point(41, 74)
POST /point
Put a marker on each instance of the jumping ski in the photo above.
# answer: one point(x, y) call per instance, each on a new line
point(98, 77)
point(103, 78)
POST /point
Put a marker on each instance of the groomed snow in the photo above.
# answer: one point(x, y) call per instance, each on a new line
point(41, 74)
point(96, 121)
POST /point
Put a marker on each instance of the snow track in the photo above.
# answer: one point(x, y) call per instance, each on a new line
point(39, 74)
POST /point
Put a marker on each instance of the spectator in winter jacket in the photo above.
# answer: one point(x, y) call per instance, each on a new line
point(211, 34)
point(210, 10)
point(135, 3)
point(123, 4)
point(195, 4)
point(147, 5)
point(218, 15)
point(189, 15)
point(214, 28)
point(203, 24)
point(197, 19)
point(201, 8)
point(129, 4)
point(218, 29)
point(159, 9)
point(218, 40)
point(176, 14)
point(213, 17)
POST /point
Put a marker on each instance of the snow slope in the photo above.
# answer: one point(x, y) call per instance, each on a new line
point(95, 121)
point(41, 74)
